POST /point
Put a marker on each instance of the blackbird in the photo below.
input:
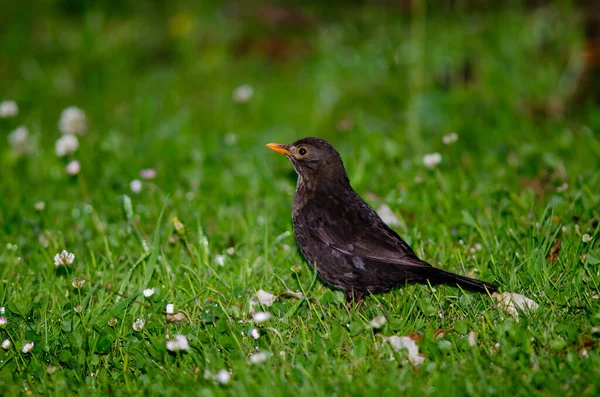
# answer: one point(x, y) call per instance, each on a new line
point(339, 233)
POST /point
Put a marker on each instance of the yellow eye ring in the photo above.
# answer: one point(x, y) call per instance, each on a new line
point(302, 151)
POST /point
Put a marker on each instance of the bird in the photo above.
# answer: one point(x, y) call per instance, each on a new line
point(344, 238)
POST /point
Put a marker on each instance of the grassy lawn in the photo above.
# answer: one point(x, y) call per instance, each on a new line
point(514, 201)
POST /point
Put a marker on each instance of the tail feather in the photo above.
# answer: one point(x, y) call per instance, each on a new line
point(438, 276)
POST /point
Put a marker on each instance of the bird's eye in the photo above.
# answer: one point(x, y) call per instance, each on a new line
point(302, 151)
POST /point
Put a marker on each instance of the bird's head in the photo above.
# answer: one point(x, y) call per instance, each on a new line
point(314, 160)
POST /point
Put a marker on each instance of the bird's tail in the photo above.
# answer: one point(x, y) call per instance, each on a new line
point(438, 276)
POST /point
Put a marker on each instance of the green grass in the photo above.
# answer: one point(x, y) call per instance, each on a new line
point(160, 97)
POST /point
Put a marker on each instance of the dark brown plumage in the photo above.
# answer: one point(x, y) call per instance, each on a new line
point(340, 234)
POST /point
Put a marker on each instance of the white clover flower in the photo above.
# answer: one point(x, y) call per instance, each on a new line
point(64, 258)
point(388, 216)
point(73, 167)
point(19, 140)
point(259, 358)
point(223, 377)
point(230, 251)
point(72, 121)
point(220, 260)
point(450, 138)
point(8, 109)
point(261, 317)
point(255, 333)
point(6, 344)
point(3, 321)
point(378, 322)
point(148, 173)
point(40, 206)
point(66, 145)
point(2, 310)
point(148, 292)
point(136, 186)
point(178, 343)
point(170, 308)
point(243, 93)
point(112, 321)
point(77, 283)
point(404, 342)
point(230, 139)
point(27, 347)
point(432, 160)
point(138, 325)
point(78, 309)
point(586, 238)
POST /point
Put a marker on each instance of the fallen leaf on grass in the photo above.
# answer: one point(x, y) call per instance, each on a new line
point(513, 303)
point(175, 318)
point(404, 342)
point(472, 339)
point(553, 253)
point(261, 297)
point(440, 333)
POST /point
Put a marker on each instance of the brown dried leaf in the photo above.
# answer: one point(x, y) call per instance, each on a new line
point(442, 332)
point(552, 255)
point(175, 318)
point(415, 336)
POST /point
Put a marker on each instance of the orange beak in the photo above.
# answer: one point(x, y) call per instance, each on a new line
point(279, 148)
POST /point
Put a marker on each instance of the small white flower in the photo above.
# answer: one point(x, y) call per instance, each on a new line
point(563, 188)
point(19, 140)
point(136, 186)
point(378, 322)
point(27, 347)
point(255, 333)
point(259, 358)
point(73, 167)
point(3, 321)
point(78, 309)
point(148, 173)
point(8, 109)
point(40, 206)
point(388, 216)
point(6, 344)
point(64, 258)
point(170, 308)
point(261, 317)
point(179, 343)
point(230, 251)
point(404, 342)
point(230, 139)
point(450, 138)
point(431, 160)
point(148, 292)
point(586, 238)
point(77, 283)
point(2, 310)
point(223, 377)
point(265, 298)
point(72, 121)
point(243, 93)
point(138, 325)
point(220, 260)
point(478, 246)
point(66, 145)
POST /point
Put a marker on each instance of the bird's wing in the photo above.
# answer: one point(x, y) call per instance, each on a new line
point(375, 240)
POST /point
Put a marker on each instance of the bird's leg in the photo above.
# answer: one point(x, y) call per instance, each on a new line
point(355, 297)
